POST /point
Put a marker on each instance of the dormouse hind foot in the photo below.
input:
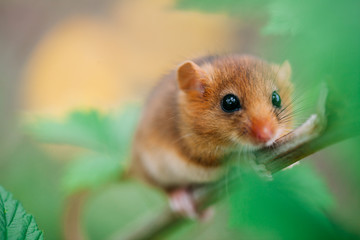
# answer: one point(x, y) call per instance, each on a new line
point(182, 203)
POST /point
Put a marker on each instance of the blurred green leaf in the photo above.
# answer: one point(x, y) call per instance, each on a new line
point(243, 7)
point(89, 171)
point(284, 17)
point(15, 223)
point(123, 125)
point(293, 205)
point(107, 136)
point(89, 129)
point(33, 177)
point(120, 207)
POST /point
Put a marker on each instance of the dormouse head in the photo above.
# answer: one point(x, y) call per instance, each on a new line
point(235, 100)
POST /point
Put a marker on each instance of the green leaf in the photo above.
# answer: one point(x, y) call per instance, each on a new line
point(15, 223)
point(86, 129)
point(229, 6)
point(89, 129)
point(123, 126)
point(284, 17)
point(107, 136)
point(89, 171)
point(293, 205)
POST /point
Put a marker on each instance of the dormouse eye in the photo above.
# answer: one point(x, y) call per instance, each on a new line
point(230, 103)
point(276, 100)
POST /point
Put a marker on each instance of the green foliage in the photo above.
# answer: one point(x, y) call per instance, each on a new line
point(88, 129)
point(120, 208)
point(105, 139)
point(291, 206)
point(90, 170)
point(15, 223)
point(244, 7)
point(33, 177)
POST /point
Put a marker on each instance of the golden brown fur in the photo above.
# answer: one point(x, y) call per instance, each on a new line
point(183, 130)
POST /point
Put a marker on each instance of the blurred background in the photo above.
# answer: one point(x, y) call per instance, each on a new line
point(63, 56)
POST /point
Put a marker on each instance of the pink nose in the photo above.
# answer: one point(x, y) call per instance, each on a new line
point(262, 130)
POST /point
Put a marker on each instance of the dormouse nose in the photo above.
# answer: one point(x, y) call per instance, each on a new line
point(262, 129)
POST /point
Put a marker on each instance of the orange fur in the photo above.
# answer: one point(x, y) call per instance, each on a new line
point(184, 134)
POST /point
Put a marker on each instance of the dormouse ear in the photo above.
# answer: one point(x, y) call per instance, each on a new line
point(283, 72)
point(191, 77)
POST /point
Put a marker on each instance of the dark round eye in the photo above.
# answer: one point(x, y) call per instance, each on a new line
point(276, 100)
point(230, 103)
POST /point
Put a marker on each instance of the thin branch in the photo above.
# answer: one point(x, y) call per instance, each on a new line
point(72, 216)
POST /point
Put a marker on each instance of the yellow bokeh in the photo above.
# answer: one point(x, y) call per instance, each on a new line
point(104, 61)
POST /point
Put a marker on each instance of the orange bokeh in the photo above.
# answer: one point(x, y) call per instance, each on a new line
point(103, 62)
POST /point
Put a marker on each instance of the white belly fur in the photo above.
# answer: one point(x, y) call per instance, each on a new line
point(168, 169)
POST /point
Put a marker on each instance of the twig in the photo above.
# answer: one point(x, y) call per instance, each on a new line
point(72, 216)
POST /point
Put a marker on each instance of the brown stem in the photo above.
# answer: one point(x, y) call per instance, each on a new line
point(72, 217)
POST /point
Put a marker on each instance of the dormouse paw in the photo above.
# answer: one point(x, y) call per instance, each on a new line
point(182, 202)
point(261, 170)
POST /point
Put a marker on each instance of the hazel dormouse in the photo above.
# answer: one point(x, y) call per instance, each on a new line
point(203, 110)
